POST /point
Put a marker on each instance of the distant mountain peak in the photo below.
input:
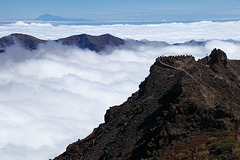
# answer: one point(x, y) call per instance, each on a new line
point(49, 17)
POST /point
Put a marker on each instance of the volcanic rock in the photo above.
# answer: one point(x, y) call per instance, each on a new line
point(218, 56)
point(178, 107)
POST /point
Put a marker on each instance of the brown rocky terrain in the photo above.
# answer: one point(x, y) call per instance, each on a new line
point(184, 109)
point(84, 41)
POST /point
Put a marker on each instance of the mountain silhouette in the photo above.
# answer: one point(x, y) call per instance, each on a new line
point(49, 17)
point(84, 41)
point(96, 43)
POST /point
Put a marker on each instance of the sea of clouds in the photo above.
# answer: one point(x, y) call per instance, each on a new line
point(52, 96)
point(168, 32)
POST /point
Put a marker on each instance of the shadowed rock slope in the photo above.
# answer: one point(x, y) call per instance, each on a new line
point(184, 109)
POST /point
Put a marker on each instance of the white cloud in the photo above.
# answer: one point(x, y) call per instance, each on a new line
point(169, 32)
point(23, 24)
point(56, 94)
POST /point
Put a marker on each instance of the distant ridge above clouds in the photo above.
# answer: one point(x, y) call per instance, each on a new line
point(84, 41)
point(49, 17)
point(27, 41)
point(95, 43)
point(104, 42)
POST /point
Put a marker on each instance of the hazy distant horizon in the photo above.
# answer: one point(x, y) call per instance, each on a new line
point(160, 20)
point(133, 10)
point(73, 21)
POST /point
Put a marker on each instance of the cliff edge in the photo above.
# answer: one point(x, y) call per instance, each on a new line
point(184, 109)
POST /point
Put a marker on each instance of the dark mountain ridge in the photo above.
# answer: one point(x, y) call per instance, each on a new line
point(184, 109)
point(84, 41)
point(191, 43)
point(27, 41)
point(96, 43)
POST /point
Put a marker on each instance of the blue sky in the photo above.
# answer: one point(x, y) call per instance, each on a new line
point(122, 9)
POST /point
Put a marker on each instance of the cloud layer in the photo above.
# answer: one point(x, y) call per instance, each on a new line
point(57, 94)
point(168, 32)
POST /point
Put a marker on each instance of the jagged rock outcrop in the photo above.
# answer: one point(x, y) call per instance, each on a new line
point(95, 43)
point(217, 56)
point(174, 114)
point(84, 41)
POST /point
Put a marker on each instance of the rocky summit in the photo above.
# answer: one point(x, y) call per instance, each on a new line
point(184, 109)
